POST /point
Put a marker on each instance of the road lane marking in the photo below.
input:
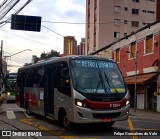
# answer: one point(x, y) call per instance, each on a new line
point(131, 127)
point(50, 131)
point(10, 115)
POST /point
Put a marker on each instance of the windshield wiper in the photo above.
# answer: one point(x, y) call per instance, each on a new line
point(100, 82)
point(110, 84)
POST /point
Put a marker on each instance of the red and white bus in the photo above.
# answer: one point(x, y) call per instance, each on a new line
point(74, 89)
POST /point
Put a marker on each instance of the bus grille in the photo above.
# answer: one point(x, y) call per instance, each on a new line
point(106, 115)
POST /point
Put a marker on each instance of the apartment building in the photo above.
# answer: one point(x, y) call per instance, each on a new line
point(81, 47)
point(70, 45)
point(110, 20)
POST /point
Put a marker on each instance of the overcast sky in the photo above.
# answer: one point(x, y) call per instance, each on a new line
point(51, 11)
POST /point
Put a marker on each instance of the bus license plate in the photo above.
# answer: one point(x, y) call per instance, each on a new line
point(107, 119)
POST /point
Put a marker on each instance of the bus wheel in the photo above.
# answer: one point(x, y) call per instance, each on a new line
point(65, 122)
point(28, 109)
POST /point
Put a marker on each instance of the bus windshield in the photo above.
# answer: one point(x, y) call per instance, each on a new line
point(97, 76)
point(10, 81)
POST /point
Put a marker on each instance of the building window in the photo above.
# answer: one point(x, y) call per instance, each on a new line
point(144, 11)
point(152, 0)
point(117, 55)
point(95, 17)
point(149, 44)
point(135, 0)
point(117, 21)
point(95, 4)
point(126, 8)
point(133, 50)
point(135, 11)
point(144, 23)
point(116, 34)
point(151, 12)
point(88, 46)
point(125, 34)
point(117, 9)
point(95, 39)
point(88, 33)
point(135, 24)
point(88, 20)
point(125, 21)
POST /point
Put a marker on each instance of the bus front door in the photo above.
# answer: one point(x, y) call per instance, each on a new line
point(49, 98)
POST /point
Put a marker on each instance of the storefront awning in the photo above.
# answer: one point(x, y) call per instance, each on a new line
point(140, 78)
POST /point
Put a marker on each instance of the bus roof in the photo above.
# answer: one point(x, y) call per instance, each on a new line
point(14, 73)
point(65, 58)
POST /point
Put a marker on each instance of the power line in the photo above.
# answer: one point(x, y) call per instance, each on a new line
point(3, 3)
point(52, 30)
point(32, 40)
point(111, 22)
point(10, 5)
point(7, 20)
point(41, 25)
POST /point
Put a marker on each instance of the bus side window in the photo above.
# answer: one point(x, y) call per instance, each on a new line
point(29, 79)
point(41, 73)
point(38, 80)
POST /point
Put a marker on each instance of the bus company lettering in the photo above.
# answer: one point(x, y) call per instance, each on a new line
point(94, 64)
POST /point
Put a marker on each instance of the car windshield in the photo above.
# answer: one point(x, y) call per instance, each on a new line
point(96, 76)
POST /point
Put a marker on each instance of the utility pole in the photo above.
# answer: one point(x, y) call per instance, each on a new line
point(1, 64)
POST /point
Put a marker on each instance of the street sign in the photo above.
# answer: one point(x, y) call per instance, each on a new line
point(26, 23)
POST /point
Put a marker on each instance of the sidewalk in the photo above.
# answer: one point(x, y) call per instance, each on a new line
point(150, 114)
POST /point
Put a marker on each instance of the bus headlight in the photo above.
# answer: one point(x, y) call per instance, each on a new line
point(127, 102)
point(80, 103)
point(8, 93)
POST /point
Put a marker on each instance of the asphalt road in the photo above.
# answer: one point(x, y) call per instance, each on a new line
point(142, 124)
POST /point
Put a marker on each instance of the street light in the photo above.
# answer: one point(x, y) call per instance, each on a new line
point(18, 53)
point(135, 92)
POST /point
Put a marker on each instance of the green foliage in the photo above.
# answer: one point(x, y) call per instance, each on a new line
point(44, 55)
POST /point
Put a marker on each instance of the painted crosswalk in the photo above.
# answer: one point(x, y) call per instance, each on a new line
point(10, 115)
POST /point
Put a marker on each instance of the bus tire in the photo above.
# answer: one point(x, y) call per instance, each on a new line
point(65, 122)
point(28, 109)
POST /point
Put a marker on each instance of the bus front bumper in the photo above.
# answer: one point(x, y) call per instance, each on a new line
point(84, 115)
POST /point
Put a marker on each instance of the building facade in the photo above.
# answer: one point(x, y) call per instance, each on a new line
point(138, 57)
point(81, 47)
point(70, 45)
point(110, 20)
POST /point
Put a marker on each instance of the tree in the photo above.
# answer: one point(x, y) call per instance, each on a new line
point(44, 55)
point(53, 54)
